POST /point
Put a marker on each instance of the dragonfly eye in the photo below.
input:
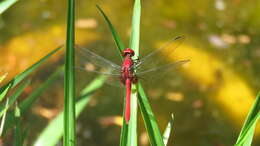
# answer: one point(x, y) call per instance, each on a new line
point(128, 51)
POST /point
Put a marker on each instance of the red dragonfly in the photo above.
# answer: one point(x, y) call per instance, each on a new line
point(131, 69)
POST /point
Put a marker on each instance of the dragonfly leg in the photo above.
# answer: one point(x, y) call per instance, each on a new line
point(136, 61)
point(134, 79)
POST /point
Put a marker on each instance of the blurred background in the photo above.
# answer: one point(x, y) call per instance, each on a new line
point(209, 97)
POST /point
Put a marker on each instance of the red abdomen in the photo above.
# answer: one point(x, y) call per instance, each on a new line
point(127, 78)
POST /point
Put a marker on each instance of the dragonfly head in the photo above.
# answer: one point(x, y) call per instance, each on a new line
point(128, 51)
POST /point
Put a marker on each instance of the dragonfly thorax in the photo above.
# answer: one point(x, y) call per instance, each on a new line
point(127, 71)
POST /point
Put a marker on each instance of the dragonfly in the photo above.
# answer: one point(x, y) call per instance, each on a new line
point(131, 69)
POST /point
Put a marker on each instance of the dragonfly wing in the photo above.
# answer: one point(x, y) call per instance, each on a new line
point(164, 67)
point(90, 61)
point(162, 74)
point(158, 57)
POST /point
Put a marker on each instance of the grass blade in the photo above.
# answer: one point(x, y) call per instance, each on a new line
point(121, 47)
point(30, 100)
point(134, 44)
point(4, 5)
point(3, 119)
point(3, 92)
point(124, 132)
point(151, 125)
point(18, 129)
point(10, 101)
point(135, 34)
point(118, 41)
point(3, 77)
point(69, 86)
point(168, 131)
point(247, 132)
point(132, 127)
point(14, 97)
point(53, 132)
point(17, 79)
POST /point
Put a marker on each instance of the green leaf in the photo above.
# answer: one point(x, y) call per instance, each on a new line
point(18, 129)
point(2, 95)
point(168, 131)
point(4, 92)
point(134, 44)
point(3, 119)
point(5, 4)
point(54, 131)
point(135, 33)
point(69, 86)
point(151, 125)
point(10, 101)
point(120, 46)
point(118, 41)
point(14, 97)
point(132, 127)
point(30, 100)
point(124, 129)
point(3, 77)
point(17, 79)
point(247, 132)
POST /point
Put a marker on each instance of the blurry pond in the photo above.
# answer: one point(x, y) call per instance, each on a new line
point(209, 97)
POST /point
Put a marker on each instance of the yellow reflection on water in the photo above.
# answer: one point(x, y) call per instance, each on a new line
point(226, 88)
point(23, 50)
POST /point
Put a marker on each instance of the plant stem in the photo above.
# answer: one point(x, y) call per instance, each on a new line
point(69, 101)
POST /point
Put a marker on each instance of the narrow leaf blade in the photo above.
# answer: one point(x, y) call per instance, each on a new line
point(168, 131)
point(151, 125)
point(3, 118)
point(3, 92)
point(247, 132)
point(2, 77)
point(134, 44)
point(17, 79)
point(121, 47)
point(18, 129)
point(30, 100)
point(69, 85)
point(5, 4)
point(116, 37)
point(54, 131)
point(14, 97)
